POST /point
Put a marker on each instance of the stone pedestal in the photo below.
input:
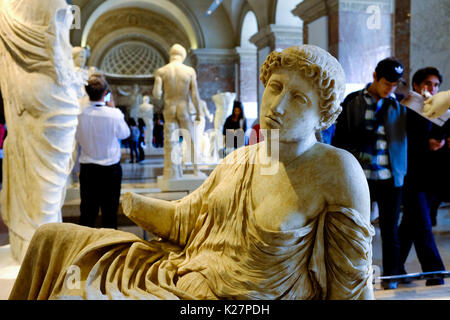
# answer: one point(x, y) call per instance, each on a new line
point(152, 151)
point(188, 182)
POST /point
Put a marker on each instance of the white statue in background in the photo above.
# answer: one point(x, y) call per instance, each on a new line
point(146, 113)
point(179, 83)
point(79, 60)
point(136, 100)
point(200, 138)
point(224, 103)
point(39, 85)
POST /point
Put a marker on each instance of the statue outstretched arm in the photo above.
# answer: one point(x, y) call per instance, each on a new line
point(151, 214)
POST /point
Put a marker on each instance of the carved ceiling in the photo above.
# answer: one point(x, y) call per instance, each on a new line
point(112, 21)
point(131, 58)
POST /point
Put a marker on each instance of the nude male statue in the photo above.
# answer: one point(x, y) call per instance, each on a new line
point(179, 82)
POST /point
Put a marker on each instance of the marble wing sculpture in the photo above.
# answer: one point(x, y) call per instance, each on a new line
point(301, 231)
point(39, 85)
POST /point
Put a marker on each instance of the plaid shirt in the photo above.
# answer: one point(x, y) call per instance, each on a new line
point(376, 165)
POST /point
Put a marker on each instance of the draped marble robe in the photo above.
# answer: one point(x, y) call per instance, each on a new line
point(216, 250)
point(39, 85)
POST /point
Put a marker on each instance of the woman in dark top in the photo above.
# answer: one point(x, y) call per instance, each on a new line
point(236, 125)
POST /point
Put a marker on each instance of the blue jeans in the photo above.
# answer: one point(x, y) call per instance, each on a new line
point(416, 229)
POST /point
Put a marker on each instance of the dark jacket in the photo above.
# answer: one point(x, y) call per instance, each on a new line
point(427, 170)
point(351, 133)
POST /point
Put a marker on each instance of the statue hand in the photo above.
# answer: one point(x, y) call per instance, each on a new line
point(437, 105)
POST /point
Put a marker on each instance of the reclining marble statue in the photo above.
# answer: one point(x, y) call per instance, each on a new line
point(299, 232)
point(40, 86)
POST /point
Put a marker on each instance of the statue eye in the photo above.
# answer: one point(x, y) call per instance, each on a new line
point(275, 86)
point(301, 98)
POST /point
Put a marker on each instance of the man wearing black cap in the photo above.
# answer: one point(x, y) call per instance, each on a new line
point(372, 126)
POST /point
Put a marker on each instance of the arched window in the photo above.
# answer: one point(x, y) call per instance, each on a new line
point(284, 15)
point(249, 28)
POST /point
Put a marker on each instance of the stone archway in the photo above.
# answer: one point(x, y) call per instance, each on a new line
point(164, 8)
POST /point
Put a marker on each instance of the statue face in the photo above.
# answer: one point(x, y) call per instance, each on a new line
point(291, 104)
point(79, 59)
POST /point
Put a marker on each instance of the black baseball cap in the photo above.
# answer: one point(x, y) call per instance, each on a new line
point(391, 69)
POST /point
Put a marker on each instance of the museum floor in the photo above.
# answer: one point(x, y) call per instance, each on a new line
point(141, 178)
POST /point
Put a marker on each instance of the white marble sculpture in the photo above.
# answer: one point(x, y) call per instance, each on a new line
point(135, 101)
point(224, 103)
point(201, 138)
point(437, 105)
point(79, 59)
point(301, 231)
point(146, 113)
point(179, 84)
point(39, 84)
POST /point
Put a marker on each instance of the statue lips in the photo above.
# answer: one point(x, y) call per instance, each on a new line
point(273, 121)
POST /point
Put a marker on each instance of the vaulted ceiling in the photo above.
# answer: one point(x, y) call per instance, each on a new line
point(158, 24)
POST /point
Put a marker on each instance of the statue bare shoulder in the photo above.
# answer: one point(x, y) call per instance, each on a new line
point(344, 182)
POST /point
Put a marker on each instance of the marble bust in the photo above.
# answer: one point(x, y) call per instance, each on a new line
point(301, 231)
point(40, 85)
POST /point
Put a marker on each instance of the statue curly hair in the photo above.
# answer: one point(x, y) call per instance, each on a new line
point(321, 68)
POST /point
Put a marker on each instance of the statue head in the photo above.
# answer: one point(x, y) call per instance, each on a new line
point(79, 56)
point(177, 52)
point(146, 99)
point(322, 70)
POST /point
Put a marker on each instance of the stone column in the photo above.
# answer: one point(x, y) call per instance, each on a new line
point(271, 38)
point(246, 81)
point(216, 72)
point(359, 32)
point(402, 43)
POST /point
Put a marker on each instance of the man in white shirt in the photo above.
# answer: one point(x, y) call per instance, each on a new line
point(100, 128)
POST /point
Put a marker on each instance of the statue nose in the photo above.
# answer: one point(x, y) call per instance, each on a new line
point(279, 105)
